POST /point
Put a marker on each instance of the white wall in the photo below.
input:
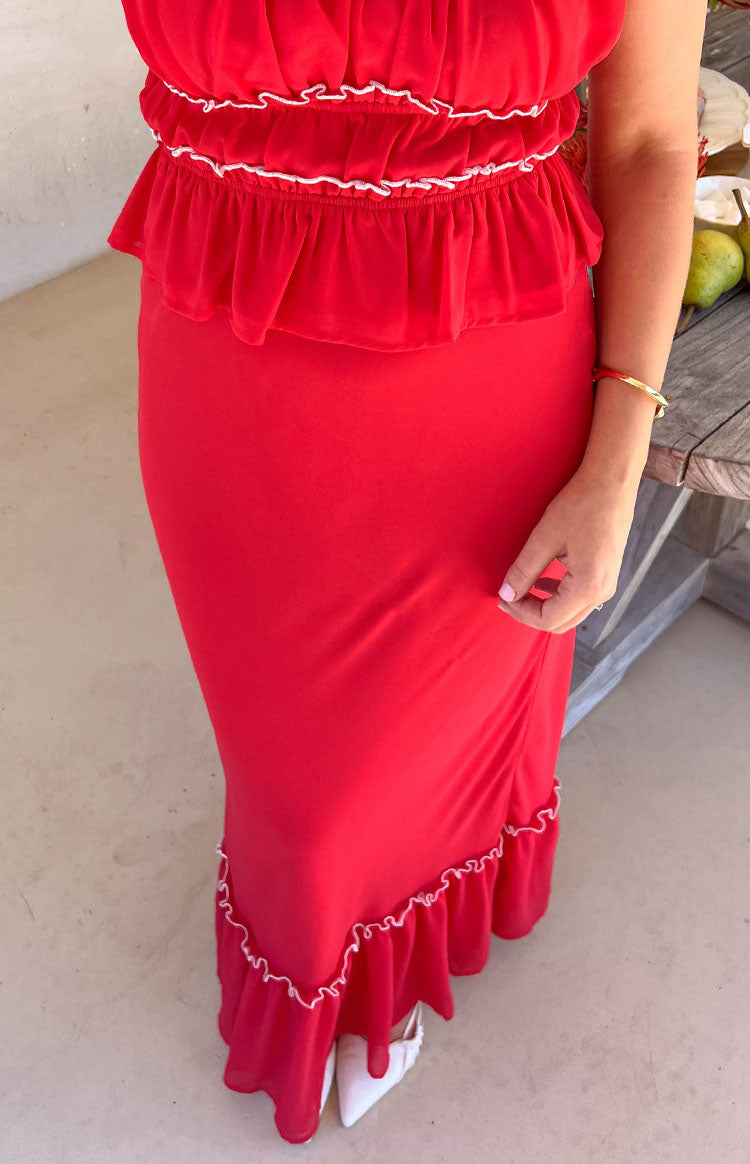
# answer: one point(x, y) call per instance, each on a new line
point(72, 137)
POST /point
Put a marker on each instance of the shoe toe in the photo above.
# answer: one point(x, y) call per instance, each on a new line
point(353, 1080)
point(358, 1091)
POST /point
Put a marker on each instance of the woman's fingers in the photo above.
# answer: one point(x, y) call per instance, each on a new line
point(587, 531)
point(563, 604)
point(527, 610)
point(550, 613)
point(537, 553)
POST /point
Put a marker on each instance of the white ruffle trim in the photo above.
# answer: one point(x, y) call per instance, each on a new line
point(361, 932)
point(385, 187)
point(321, 93)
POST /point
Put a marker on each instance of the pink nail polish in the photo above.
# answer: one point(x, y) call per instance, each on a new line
point(507, 592)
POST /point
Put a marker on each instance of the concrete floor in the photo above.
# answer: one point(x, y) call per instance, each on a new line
point(618, 1031)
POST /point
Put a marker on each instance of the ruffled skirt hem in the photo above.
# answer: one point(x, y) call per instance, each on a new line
point(279, 1035)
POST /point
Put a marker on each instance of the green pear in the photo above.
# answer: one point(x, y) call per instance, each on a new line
point(743, 230)
point(717, 263)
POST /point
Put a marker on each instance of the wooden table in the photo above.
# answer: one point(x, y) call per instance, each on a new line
point(690, 536)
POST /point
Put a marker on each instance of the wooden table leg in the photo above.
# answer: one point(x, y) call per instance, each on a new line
point(718, 527)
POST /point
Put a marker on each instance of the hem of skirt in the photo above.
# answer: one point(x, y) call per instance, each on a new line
point(441, 932)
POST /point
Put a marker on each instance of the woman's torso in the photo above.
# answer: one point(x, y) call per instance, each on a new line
point(377, 172)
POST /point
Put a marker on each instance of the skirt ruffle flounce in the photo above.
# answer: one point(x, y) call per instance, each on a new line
point(279, 1037)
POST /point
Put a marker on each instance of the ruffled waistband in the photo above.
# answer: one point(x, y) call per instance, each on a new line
point(378, 220)
point(388, 275)
point(372, 143)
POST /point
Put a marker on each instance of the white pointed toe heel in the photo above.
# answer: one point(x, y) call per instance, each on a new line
point(357, 1089)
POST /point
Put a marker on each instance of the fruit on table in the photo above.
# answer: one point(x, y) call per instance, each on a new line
point(743, 230)
point(717, 263)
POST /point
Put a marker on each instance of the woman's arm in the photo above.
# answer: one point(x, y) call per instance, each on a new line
point(643, 156)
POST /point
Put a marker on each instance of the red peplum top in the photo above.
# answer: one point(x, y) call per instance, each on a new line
point(383, 173)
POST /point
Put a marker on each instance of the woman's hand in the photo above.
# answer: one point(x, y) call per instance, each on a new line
point(586, 526)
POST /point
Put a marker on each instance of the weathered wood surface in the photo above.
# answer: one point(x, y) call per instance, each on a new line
point(708, 379)
point(725, 44)
point(708, 374)
point(721, 463)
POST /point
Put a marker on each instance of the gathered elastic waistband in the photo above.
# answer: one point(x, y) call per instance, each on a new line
point(294, 147)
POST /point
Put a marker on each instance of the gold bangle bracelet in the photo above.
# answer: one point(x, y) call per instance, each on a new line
point(599, 372)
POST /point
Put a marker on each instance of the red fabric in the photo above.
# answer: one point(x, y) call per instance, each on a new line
point(335, 523)
point(341, 460)
point(388, 267)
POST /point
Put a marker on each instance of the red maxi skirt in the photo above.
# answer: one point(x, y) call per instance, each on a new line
point(335, 523)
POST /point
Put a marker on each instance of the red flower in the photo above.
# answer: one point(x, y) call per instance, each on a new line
point(574, 151)
point(575, 148)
